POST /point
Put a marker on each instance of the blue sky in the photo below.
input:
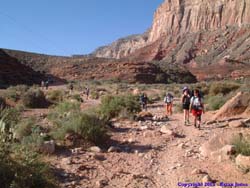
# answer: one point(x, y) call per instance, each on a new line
point(66, 27)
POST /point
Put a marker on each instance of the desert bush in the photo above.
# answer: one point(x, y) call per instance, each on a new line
point(112, 106)
point(14, 93)
point(2, 103)
point(215, 102)
point(242, 145)
point(9, 117)
point(89, 127)
point(34, 98)
point(55, 96)
point(77, 97)
point(223, 88)
point(63, 109)
point(21, 168)
point(26, 127)
point(94, 94)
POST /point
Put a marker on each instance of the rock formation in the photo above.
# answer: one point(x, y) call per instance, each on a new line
point(204, 35)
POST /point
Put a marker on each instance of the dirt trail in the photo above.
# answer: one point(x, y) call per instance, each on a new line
point(147, 157)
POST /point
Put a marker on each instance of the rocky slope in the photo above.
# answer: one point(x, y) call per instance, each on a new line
point(89, 68)
point(122, 47)
point(12, 72)
point(204, 35)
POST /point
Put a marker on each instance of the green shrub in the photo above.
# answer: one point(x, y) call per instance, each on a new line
point(242, 145)
point(2, 103)
point(94, 94)
point(62, 109)
point(26, 128)
point(215, 102)
point(89, 127)
point(223, 88)
point(21, 168)
point(34, 98)
point(9, 117)
point(14, 93)
point(112, 106)
point(55, 96)
point(77, 97)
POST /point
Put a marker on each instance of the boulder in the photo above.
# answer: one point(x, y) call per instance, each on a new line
point(236, 124)
point(48, 147)
point(235, 106)
point(243, 162)
point(216, 143)
point(144, 115)
point(95, 149)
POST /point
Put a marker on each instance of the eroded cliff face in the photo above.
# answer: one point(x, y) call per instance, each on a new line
point(175, 17)
point(179, 17)
point(122, 47)
point(209, 37)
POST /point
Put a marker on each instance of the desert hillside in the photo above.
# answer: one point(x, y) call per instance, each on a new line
point(202, 35)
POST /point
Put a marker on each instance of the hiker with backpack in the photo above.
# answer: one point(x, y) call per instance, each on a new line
point(168, 100)
point(71, 88)
point(197, 108)
point(144, 101)
point(87, 91)
point(186, 104)
point(47, 84)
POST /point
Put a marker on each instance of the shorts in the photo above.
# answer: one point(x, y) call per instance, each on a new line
point(185, 106)
point(196, 112)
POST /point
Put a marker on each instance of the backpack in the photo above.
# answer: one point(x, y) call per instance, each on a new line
point(198, 106)
point(186, 100)
point(168, 99)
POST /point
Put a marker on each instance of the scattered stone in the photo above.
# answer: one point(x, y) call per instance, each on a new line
point(243, 162)
point(95, 149)
point(206, 179)
point(76, 150)
point(48, 147)
point(236, 124)
point(144, 127)
point(165, 130)
point(114, 149)
point(67, 161)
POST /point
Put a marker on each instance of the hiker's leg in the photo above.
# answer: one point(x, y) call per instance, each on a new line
point(195, 120)
point(185, 114)
point(171, 108)
point(199, 120)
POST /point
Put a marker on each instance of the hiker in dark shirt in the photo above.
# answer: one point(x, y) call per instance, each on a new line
point(186, 104)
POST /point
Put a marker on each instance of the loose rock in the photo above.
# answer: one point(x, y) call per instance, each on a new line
point(95, 149)
point(243, 162)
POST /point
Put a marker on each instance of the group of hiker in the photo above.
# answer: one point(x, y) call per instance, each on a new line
point(46, 84)
point(192, 102)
